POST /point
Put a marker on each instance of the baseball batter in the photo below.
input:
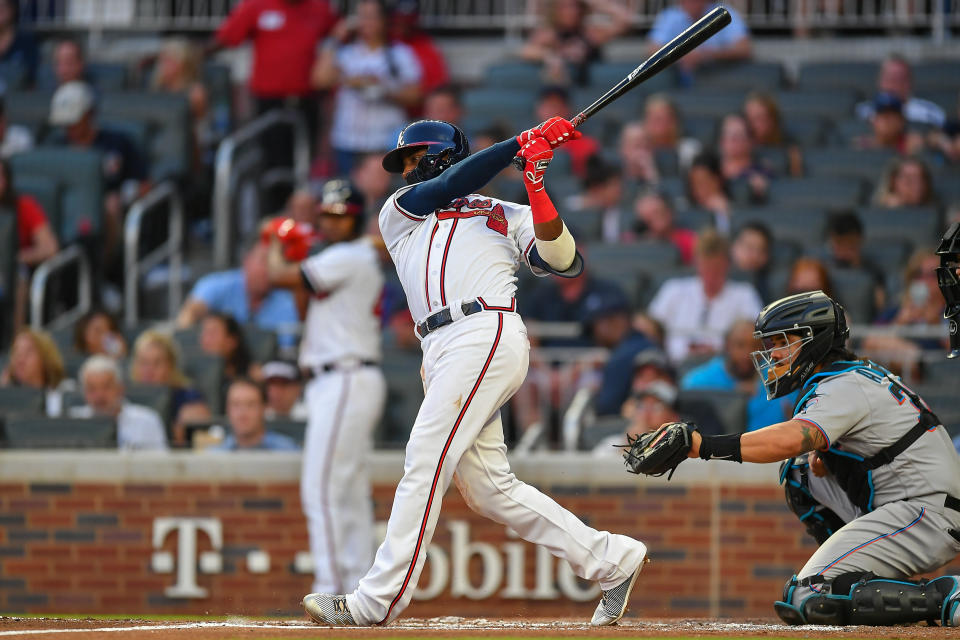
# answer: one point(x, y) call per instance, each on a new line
point(879, 487)
point(340, 354)
point(457, 254)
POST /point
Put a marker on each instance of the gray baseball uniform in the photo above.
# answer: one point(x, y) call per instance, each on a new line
point(908, 530)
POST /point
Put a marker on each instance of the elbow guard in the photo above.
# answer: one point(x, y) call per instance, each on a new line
point(560, 252)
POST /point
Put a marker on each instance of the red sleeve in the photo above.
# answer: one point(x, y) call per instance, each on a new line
point(240, 24)
point(30, 217)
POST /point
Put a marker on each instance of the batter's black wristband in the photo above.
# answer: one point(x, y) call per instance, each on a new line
point(721, 447)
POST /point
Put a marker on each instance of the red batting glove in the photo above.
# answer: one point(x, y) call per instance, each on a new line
point(558, 130)
point(527, 136)
point(536, 155)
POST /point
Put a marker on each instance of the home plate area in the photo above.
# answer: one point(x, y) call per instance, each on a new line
point(450, 626)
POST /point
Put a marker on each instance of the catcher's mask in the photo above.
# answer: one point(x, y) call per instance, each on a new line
point(445, 143)
point(948, 279)
point(796, 333)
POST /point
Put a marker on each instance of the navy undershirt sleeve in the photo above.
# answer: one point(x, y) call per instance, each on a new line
point(467, 176)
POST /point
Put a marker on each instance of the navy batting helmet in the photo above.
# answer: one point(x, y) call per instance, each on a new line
point(797, 333)
point(341, 197)
point(445, 143)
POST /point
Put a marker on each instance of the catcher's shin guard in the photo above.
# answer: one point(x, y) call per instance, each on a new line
point(821, 522)
point(863, 599)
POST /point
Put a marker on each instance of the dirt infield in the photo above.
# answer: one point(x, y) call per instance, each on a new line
point(448, 627)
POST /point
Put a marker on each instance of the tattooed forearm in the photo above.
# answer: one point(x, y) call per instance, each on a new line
point(808, 441)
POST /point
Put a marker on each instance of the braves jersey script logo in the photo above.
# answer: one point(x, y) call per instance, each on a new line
point(476, 207)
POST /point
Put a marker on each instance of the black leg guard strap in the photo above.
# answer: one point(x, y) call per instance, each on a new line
point(820, 521)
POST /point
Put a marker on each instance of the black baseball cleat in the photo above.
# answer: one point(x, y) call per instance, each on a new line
point(326, 608)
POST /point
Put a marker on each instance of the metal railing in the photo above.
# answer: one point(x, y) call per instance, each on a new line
point(226, 174)
point(170, 251)
point(72, 257)
point(509, 16)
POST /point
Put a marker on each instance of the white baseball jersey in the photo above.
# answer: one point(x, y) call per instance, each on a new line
point(343, 317)
point(470, 248)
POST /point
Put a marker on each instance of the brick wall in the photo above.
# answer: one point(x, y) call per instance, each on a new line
point(87, 547)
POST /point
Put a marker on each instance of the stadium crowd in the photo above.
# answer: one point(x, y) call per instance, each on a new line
point(696, 199)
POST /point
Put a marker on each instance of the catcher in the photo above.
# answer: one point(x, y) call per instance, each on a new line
point(878, 484)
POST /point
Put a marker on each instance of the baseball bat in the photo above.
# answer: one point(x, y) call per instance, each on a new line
point(688, 40)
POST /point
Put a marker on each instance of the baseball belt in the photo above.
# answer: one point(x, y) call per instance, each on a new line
point(443, 317)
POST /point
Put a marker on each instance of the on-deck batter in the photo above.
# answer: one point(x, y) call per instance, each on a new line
point(340, 353)
point(457, 254)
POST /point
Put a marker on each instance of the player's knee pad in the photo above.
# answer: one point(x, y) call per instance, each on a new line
point(863, 599)
point(821, 522)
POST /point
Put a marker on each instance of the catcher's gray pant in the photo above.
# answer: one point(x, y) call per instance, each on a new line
point(898, 540)
point(471, 368)
point(345, 406)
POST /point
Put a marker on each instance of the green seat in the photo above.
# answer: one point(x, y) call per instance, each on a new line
point(714, 103)
point(261, 343)
point(206, 373)
point(628, 264)
point(157, 397)
point(404, 397)
point(715, 412)
point(801, 225)
point(296, 429)
point(936, 74)
point(832, 103)
point(103, 76)
point(858, 75)
point(219, 85)
point(79, 175)
point(167, 117)
point(513, 74)
point(13, 74)
point(919, 225)
point(45, 190)
point(137, 131)
point(8, 271)
point(853, 288)
point(29, 432)
point(24, 400)
point(513, 108)
point(29, 108)
point(746, 76)
point(604, 75)
point(819, 192)
point(806, 130)
point(864, 164)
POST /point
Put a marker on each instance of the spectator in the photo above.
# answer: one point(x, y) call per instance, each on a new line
point(809, 274)
point(636, 155)
point(654, 221)
point(301, 207)
point(97, 333)
point(156, 362)
point(750, 253)
point(17, 47)
point(243, 293)
point(36, 240)
point(607, 319)
point(733, 370)
point(246, 408)
point(566, 43)
point(370, 179)
point(845, 250)
point(138, 427)
point(221, 336)
point(124, 169)
point(36, 362)
point(554, 100)
point(598, 205)
point(444, 103)
point(895, 78)
point(707, 190)
point(378, 80)
point(69, 62)
point(405, 28)
point(14, 138)
point(698, 310)
point(661, 122)
point(740, 170)
point(889, 127)
point(730, 44)
point(283, 386)
point(766, 129)
point(645, 410)
point(906, 183)
point(946, 139)
point(285, 34)
point(178, 70)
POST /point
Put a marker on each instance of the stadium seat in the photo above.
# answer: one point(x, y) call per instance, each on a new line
point(625, 263)
point(801, 225)
point(946, 99)
point(746, 76)
point(604, 75)
point(30, 109)
point(404, 396)
point(713, 103)
point(920, 226)
point(167, 117)
point(891, 254)
point(603, 428)
point(512, 74)
point(515, 109)
point(931, 75)
point(840, 163)
point(820, 192)
point(45, 190)
point(9, 246)
point(24, 400)
point(219, 85)
point(206, 373)
point(947, 187)
point(806, 130)
point(29, 432)
point(847, 130)
point(13, 75)
point(853, 288)
point(261, 343)
point(693, 219)
point(773, 159)
point(667, 161)
point(72, 362)
point(157, 397)
point(715, 412)
point(702, 127)
point(137, 131)
point(858, 75)
point(79, 175)
point(103, 76)
point(827, 103)
point(296, 429)
point(651, 282)
point(188, 338)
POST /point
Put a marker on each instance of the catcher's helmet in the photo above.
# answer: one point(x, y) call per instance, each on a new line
point(341, 197)
point(445, 143)
point(797, 333)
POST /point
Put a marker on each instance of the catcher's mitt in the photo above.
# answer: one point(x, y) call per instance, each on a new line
point(657, 452)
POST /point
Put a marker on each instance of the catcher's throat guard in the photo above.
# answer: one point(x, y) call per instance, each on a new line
point(658, 452)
